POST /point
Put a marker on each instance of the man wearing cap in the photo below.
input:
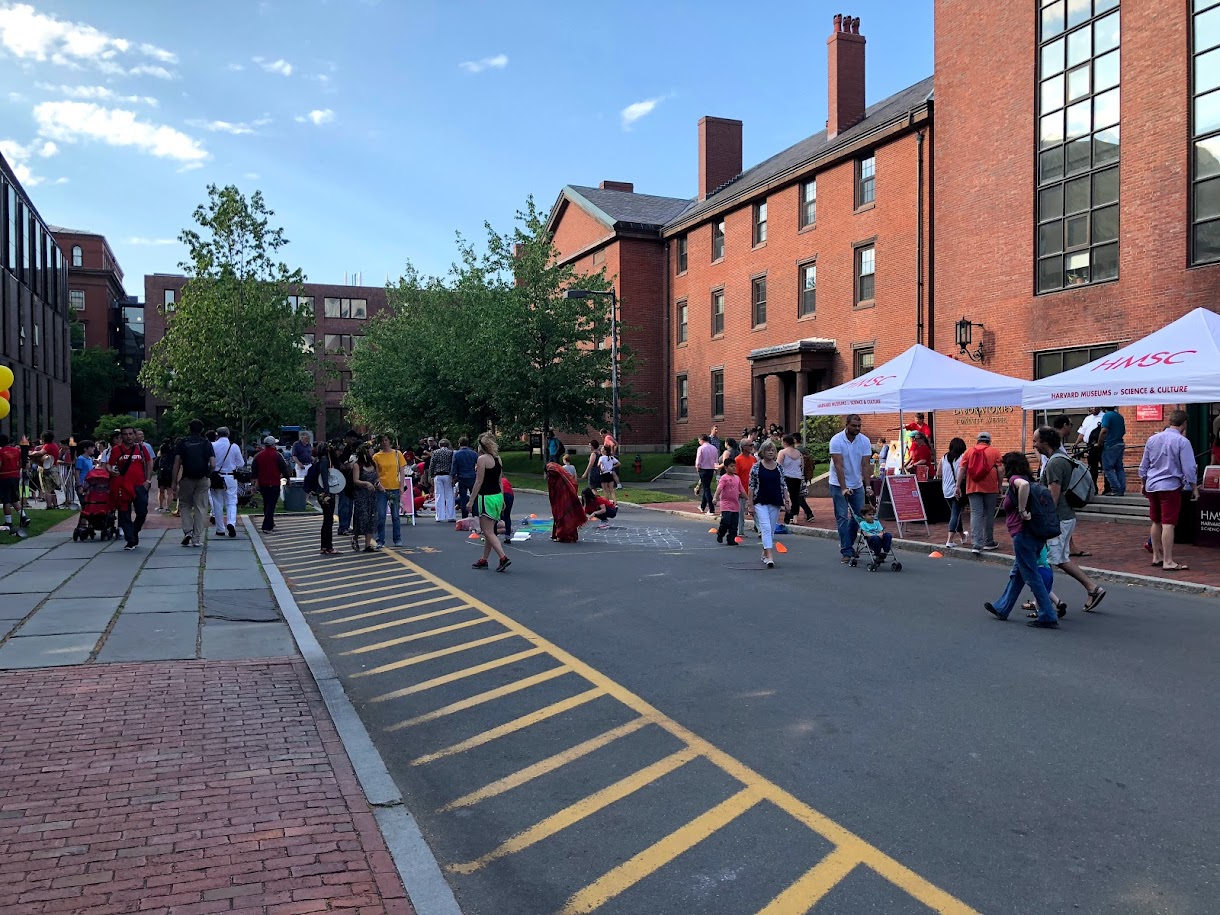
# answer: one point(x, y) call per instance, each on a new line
point(269, 467)
point(978, 476)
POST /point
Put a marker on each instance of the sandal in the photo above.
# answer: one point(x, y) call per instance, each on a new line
point(1095, 598)
point(1082, 553)
point(329, 552)
point(1175, 568)
point(1061, 608)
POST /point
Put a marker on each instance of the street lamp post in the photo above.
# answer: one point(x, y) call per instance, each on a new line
point(588, 293)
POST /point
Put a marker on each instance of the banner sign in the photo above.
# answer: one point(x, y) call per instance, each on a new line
point(1148, 413)
point(906, 499)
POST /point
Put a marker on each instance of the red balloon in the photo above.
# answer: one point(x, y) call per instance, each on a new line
point(4, 395)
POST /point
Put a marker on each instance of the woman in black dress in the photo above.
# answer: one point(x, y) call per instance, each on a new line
point(364, 507)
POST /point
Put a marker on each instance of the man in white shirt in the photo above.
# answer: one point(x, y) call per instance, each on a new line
point(224, 501)
point(851, 472)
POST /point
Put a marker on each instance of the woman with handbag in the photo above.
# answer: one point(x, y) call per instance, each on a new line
point(325, 482)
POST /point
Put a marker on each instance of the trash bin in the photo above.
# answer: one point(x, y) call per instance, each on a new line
point(294, 496)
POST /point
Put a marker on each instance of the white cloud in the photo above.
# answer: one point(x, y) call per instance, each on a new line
point(140, 240)
point(28, 34)
point(70, 122)
point(499, 62)
point(97, 93)
point(24, 175)
point(637, 110)
point(252, 176)
point(236, 68)
point(317, 117)
point(60, 181)
point(237, 128)
point(48, 149)
point(280, 66)
point(16, 97)
point(18, 156)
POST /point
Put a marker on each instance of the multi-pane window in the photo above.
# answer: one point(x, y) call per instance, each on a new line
point(301, 303)
point(76, 298)
point(863, 359)
point(1052, 362)
point(1205, 128)
point(1078, 143)
point(169, 299)
point(718, 239)
point(683, 321)
point(717, 312)
point(760, 223)
point(683, 397)
point(345, 308)
point(307, 342)
point(866, 273)
point(758, 300)
point(808, 290)
point(682, 250)
point(77, 256)
point(339, 343)
point(866, 180)
point(809, 203)
point(718, 393)
point(10, 218)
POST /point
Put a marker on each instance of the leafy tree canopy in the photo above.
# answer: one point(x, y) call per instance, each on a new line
point(96, 375)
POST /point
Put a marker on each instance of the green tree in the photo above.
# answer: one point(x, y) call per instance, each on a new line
point(96, 375)
point(234, 345)
point(107, 424)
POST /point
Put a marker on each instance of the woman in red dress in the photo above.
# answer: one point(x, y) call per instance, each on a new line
point(566, 509)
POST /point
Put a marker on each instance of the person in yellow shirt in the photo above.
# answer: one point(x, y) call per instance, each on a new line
point(390, 464)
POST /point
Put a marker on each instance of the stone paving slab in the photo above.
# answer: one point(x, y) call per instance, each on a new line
point(162, 600)
point(46, 651)
point(79, 550)
point(44, 577)
point(233, 580)
point(144, 637)
point(174, 558)
point(241, 542)
point(18, 606)
point(254, 605)
point(230, 641)
point(166, 578)
point(105, 576)
point(231, 559)
point(62, 617)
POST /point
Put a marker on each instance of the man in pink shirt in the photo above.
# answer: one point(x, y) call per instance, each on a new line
point(705, 462)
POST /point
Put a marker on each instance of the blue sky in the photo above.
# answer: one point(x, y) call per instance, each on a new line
point(378, 128)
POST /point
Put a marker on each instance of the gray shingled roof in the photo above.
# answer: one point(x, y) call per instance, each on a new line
point(643, 210)
point(813, 147)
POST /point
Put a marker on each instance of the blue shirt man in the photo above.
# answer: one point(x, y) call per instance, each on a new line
point(1113, 431)
point(464, 472)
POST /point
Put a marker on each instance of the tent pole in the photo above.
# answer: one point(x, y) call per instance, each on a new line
point(1023, 430)
point(902, 443)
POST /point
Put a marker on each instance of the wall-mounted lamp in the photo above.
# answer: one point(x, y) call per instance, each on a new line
point(965, 336)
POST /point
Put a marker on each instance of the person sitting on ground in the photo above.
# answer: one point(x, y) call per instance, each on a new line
point(879, 540)
point(598, 507)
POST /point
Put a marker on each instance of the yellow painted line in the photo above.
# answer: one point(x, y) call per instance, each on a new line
point(410, 619)
point(580, 810)
point(385, 611)
point(381, 627)
point(354, 603)
point(382, 611)
point(652, 859)
point(900, 875)
point(433, 655)
point(415, 637)
point(458, 674)
point(550, 764)
point(393, 576)
point(813, 885)
point(393, 583)
point(330, 573)
point(491, 695)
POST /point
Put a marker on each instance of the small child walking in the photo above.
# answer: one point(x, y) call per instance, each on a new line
point(1047, 574)
point(878, 538)
point(728, 496)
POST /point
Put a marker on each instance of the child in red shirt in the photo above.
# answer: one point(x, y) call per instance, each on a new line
point(598, 507)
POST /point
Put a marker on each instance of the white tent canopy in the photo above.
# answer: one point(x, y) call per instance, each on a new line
point(1180, 363)
point(920, 379)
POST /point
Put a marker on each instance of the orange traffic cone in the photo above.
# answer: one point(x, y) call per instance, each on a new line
point(780, 548)
point(936, 554)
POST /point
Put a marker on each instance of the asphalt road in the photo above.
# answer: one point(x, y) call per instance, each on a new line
point(646, 722)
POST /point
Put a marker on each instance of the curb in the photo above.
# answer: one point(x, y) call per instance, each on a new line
point(417, 866)
point(918, 546)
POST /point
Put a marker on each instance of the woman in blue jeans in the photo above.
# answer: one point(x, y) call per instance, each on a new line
point(1025, 549)
point(952, 492)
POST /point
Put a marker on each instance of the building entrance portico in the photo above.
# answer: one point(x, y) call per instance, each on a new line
point(798, 368)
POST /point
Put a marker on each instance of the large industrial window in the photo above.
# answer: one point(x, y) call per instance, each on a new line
point(1205, 129)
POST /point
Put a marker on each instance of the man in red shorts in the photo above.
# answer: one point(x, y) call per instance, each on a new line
point(1167, 468)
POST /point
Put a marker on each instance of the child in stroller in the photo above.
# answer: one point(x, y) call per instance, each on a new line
point(878, 540)
point(98, 507)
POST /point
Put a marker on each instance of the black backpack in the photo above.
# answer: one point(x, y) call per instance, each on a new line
point(195, 453)
point(1043, 523)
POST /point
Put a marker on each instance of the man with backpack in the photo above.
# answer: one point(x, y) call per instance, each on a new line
point(193, 465)
point(978, 477)
point(1068, 481)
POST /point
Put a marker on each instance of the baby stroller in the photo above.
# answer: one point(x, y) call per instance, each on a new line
point(878, 559)
point(98, 513)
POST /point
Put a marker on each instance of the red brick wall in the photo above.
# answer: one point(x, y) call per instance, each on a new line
point(98, 277)
point(719, 153)
point(845, 77)
point(985, 197)
point(890, 325)
point(576, 230)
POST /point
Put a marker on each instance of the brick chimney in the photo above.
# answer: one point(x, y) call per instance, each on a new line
point(845, 80)
point(719, 153)
point(617, 186)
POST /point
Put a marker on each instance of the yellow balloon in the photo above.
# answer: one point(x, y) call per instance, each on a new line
point(4, 408)
point(6, 378)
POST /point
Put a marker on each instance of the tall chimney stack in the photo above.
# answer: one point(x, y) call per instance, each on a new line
point(719, 153)
point(845, 80)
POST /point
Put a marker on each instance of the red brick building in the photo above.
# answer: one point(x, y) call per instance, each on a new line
point(340, 316)
point(1062, 236)
point(95, 284)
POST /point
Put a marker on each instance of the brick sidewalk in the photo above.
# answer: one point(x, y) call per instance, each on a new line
point(1115, 547)
point(182, 788)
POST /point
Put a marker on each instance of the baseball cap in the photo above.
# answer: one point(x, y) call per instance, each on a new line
point(269, 440)
point(985, 437)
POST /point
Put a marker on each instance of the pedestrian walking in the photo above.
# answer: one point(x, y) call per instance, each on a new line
point(1167, 468)
point(743, 465)
point(488, 505)
point(440, 469)
point(1088, 435)
point(130, 466)
point(729, 492)
point(507, 489)
point(367, 482)
point(952, 491)
point(1057, 476)
point(10, 485)
point(978, 475)
point(768, 496)
point(224, 486)
point(194, 462)
point(705, 463)
point(1020, 504)
point(713, 438)
point(464, 460)
point(851, 469)
point(390, 466)
point(792, 463)
point(1113, 446)
point(347, 461)
point(607, 465)
point(318, 482)
point(609, 441)
point(270, 467)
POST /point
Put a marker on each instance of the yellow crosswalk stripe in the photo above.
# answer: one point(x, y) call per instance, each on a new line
point(431, 614)
point(433, 655)
point(385, 611)
point(393, 575)
point(651, 859)
point(416, 636)
point(329, 574)
point(319, 611)
point(580, 810)
point(390, 586)
point(814, 884)
point(492, 694)
point(354, 603)
point(511, 727)
point(458, 674)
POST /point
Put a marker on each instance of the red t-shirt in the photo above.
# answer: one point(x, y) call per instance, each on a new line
point(52, 449)
point(131, 463)
point(267, 467)
point(505, 486)
point(10, 462)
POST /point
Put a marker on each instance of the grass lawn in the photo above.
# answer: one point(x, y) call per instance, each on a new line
point(41, 520)
point(519, 462)
point(521, 471)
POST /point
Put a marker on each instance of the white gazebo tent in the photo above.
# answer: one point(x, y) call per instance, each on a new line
point(1180, 363)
